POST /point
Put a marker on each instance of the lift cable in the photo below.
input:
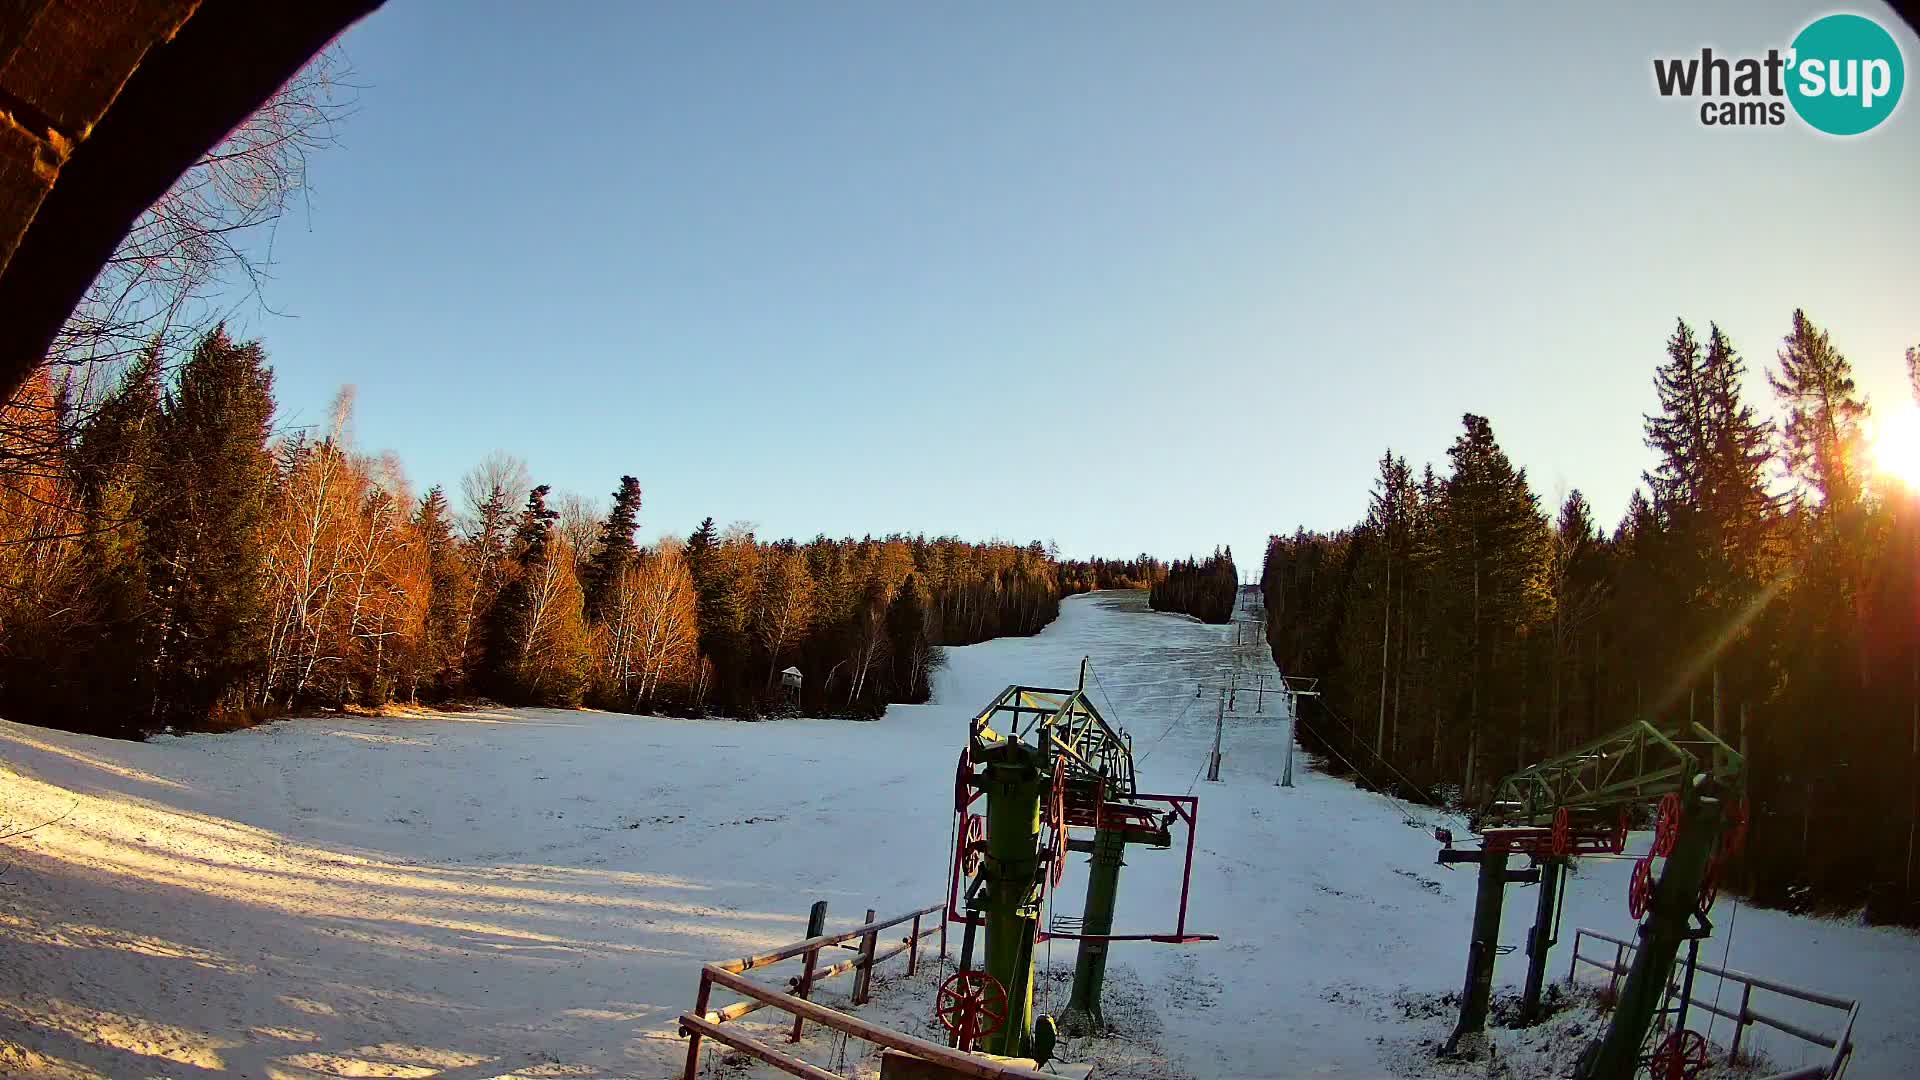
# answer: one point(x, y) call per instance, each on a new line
point(1196, 776)
point(1097, 681)
point(1168, 730)
point(1423, 792)
point(1406, 810)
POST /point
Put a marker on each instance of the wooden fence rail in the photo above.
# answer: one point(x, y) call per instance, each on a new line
point(1841, 1043)
point(702, 1022)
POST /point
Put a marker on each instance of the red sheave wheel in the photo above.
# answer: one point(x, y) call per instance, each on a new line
point(1680, 1056)
point(1666, 827)
point(1640, 888)
point(963, 782)
point(1562, 832)
point(971, 1005)
point(1709, 886)
point(970, 838)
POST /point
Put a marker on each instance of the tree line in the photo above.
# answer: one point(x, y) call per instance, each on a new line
point(169, 560)
point(1086, 575)
point(1205, 589)
point(1764, 581)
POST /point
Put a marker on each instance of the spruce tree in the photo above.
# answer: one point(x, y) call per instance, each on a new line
point(447, 583)
point(907, 639)
point(1389, 510)
point(1741, 447)
point(507, 621)
point(1821, 438)
point(615, 549)
point(487, 569)
point(1716, 515)
point(204, 548)
point(113, 457)
point(1494, 547)
point(710, 585)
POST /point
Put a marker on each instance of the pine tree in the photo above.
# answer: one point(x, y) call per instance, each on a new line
point(700, 555)
point(1681, 433)
point(1576, 579)
point(117, 450)
point(447, 584)
point(1711, 499)
point(907, 640)
point(1389, 511)
point(615, 550)
point(204, 548)
point(1821, 439)
point(512, 614)
point(1740, 447)
point(1493, 543)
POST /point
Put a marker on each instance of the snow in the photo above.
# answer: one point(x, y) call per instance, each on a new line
point(530, 893)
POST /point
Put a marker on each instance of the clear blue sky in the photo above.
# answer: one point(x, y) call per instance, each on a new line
point(1127, 276)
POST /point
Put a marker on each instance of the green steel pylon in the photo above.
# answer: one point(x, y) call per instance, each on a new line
point(1103, 887)
point(1670, 921)
point(1016, 782)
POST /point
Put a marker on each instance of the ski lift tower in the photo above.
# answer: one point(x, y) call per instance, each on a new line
point(1046, 763)
point(1579, 803)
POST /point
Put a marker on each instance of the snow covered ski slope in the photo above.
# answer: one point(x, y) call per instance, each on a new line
point(527, 893)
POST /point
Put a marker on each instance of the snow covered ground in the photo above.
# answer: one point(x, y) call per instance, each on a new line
point(527, 893)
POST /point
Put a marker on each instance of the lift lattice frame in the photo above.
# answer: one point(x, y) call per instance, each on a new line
point(1630, 765)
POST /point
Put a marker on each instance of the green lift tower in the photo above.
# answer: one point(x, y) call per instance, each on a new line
point(1046, 763)
point(1581, 802)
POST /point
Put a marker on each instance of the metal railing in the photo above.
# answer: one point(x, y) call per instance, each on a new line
point(1743, 1015)
point(703, 1023)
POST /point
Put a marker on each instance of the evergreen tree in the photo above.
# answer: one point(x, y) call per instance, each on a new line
point(1740, 447)
point(1821, 439)
point(447, 584)
point(1205, 590)
point(487, 568)
point(912, 652)
point(1680, 434)
point(1493, 548)
point(700, 556)
point(615, 550)
point(1390, 510)
point(115, 454)
point(1710, 495)
point(203, 545)
point(509, 621)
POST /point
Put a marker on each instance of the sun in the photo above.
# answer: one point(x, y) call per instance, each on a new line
point(1896, 446)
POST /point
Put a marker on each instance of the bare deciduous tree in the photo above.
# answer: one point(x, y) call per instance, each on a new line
point(212, 230)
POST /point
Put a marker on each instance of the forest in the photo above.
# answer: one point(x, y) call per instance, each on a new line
point(1085, 575)
point(171, 561)
point(1206, 590)
point(1764, 581)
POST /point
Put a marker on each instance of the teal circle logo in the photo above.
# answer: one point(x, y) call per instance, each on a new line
point(1846, 74)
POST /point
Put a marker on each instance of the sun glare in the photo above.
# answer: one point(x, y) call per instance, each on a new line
point(1896, 446)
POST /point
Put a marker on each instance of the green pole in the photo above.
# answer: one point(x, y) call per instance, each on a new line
point(1016, 781)
point(1103, 885)
point(1675, 897)
point(1480, 952)
point(1541, 940)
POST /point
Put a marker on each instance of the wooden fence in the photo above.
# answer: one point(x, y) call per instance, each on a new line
point(1841, 1044)
point(703, 1022)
